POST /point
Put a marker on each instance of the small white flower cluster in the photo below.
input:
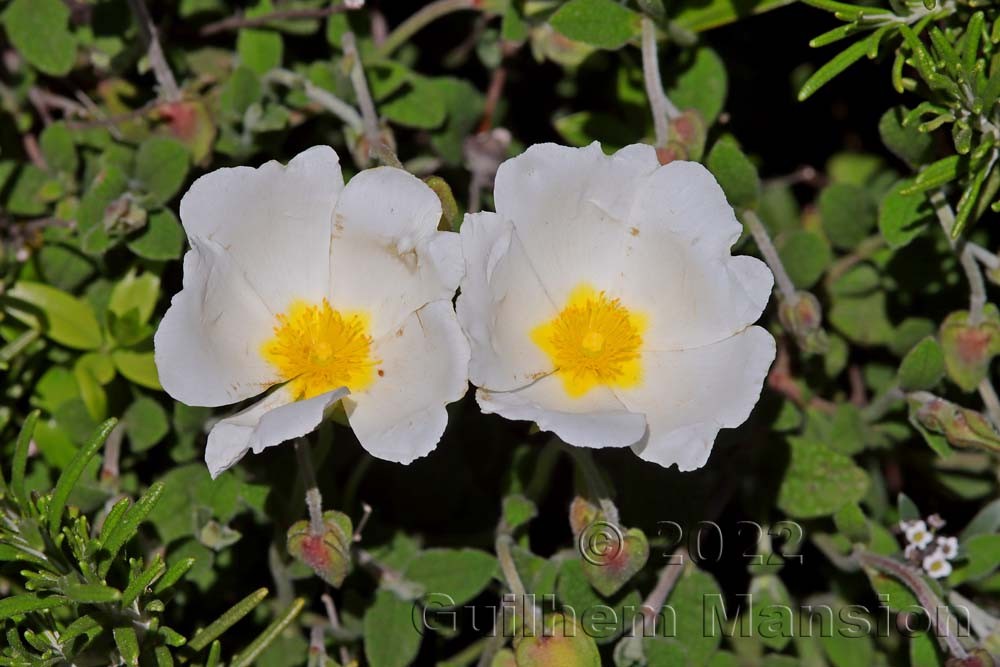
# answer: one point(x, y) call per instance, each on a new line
point(925, 547)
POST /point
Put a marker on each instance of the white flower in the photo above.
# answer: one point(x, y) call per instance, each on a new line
point(948, 547)
point(602, 302)
point(917, 534)
point(313, 289)
point(911, 552)
point(936, 565)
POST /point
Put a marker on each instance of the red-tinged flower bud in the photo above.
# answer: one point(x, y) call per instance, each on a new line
point(328, 553)
point(977, 657)
point(610, 554)
point(688, 131)
point(968, 348)
point(562, 643)
point(803, 318)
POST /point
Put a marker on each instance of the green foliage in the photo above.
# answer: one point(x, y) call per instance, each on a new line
point(80, 587)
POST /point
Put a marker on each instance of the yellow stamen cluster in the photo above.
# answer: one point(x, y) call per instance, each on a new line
point(594, 341)
point(318, 349)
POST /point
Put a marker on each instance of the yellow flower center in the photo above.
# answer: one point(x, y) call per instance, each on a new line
point(594, 341)
point(318, 349)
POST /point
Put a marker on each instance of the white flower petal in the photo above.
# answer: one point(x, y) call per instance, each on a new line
point(936, 565)
point(422, 368)
point(678, 269)
point(688, 395)
point(596, 419)
point(500, 299)
point(569, 207)
point(387, 256)
point(271, 421)
point(274, 222)
point(208, 343)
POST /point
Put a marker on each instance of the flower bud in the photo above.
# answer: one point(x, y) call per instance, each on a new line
point(969, 348)
point(963, 428)
point(610, 554)
point(450, 216)
point(560, 644)
point(977, 657)
point(687, 131)
point(328, 553)
point(803, 317)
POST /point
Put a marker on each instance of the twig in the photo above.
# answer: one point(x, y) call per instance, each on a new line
point(241, 21)
point(990, 399)
point(882, 404)
point(510, 574)
point(597, 489)
point(334, 618)
point(320, 96)
point(34, 151)
point(497, 81)
point(314, 501)
point(157, 59)
point(366, 510)
point(863, 251)
point(496, 641)
point(987, 258)
point(118, 118)
point(99, 114)
point(427, 14)
point(925, 596)
point(770, 253)
point(110, 469)
point(369, 116)
point(669, 575)
point(966, 257)
point(979, 621)
point(663, 109)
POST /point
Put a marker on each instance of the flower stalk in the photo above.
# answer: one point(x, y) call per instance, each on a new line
point(663, 109)
point(925, 597)
point(369, 117)
point(417, 21)
point(314, 500)
point(781, 278)
point(157, 59)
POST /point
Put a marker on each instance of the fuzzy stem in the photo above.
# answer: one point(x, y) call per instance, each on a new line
point(157, 59)
point(661, 106)
point(669, 575)
point(987, 258)
point(413, 24)
point(992, 402)
point(966, 257)
point(334, 618)
point(979, 621)
point(324, 98)
point(882, 404)
point(770, 253)
point(925, 596)
point(369, 116)
point(314, 501)
point(597, 489)
point(240, 21)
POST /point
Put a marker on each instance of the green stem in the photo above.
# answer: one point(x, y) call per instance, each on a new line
point(416, 22)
